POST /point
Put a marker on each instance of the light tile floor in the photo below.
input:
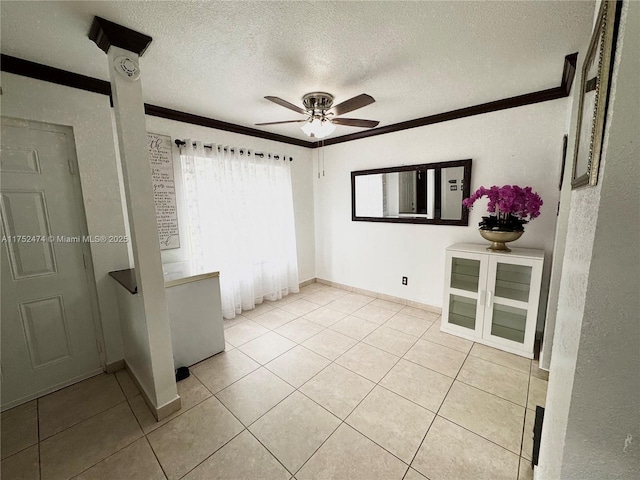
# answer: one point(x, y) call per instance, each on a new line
point(325, 384)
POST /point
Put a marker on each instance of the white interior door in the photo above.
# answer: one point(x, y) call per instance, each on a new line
point(48, 329)
point(408, 192)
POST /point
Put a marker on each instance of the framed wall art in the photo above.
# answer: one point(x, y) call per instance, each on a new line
point(594, 93)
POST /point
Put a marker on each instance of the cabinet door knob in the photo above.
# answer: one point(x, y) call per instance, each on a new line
point(489, 298)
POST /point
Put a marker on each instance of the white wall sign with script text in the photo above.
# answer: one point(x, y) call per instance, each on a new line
point(164, 190)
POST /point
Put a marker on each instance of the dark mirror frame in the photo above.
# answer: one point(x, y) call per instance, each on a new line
point(466, 193)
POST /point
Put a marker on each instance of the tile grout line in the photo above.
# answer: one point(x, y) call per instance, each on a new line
point(127, 401)
point(134, 414)
point(333, 361)
point(144, 434)
point(108, 456)
point(477, 434)
point(146, 439)
point(375, 383)
point(212, 453)
point(23, 449)
point(213, 395)
point(524, 424)
point(491, 393)
point(436, 413)
point(273, 454)
point(40, 441)
point(81, 421)
point(500, 364)
point(360, 402)
point(456, 379)
point(342, 422)
point(297, 389)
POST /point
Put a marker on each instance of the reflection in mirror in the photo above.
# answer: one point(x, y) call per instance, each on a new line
point(451, 196)
point(430, 193)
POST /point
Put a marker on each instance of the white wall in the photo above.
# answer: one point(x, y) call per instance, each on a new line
point(301, 181)
point(560, 238)
point(517, 146)
point(89, 116)
point(592, 401)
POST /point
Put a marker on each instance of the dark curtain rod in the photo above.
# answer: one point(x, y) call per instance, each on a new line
point(181, 143)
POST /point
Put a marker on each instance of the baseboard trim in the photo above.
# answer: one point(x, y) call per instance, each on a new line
point(169, 408)
point(381, 296)
point(160, 413)
point(114, 366)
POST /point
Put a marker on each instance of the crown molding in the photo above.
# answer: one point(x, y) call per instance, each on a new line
point(18, 66)
point(38, 71)
point(184, 117)
point(563, 90)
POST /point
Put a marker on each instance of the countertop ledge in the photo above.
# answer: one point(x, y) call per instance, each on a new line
point(127, 278)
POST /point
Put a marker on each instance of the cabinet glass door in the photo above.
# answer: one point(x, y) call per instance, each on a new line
point(513, 281)
point(465, 274)
point(462, 309)
point(508, 322)
point(510, 316)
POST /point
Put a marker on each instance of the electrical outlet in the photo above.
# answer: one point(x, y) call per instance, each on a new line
point(404, 280)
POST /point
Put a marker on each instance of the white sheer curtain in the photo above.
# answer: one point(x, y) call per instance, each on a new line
point(241, 223)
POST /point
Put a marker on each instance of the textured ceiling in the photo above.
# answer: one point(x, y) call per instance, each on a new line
point(219, 59)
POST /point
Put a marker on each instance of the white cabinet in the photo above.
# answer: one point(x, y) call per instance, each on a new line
point(195, 313)
point(492, 297)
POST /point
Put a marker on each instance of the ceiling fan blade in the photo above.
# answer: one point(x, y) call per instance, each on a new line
point(278, 123)
point(285, 104)
point(354, 103)
point(355, 122)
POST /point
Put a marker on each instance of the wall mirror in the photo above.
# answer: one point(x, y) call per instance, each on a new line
point(430, 193)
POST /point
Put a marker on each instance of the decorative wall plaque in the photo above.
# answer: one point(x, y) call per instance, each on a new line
point(164, 190)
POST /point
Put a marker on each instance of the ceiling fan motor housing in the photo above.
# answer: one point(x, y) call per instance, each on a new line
point(317, 102)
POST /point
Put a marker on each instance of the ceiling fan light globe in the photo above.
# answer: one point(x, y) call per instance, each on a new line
point(326, 128)
point(308, 128)
point(318, 128)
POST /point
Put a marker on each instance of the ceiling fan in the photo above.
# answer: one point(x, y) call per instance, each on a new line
point(321, 114)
